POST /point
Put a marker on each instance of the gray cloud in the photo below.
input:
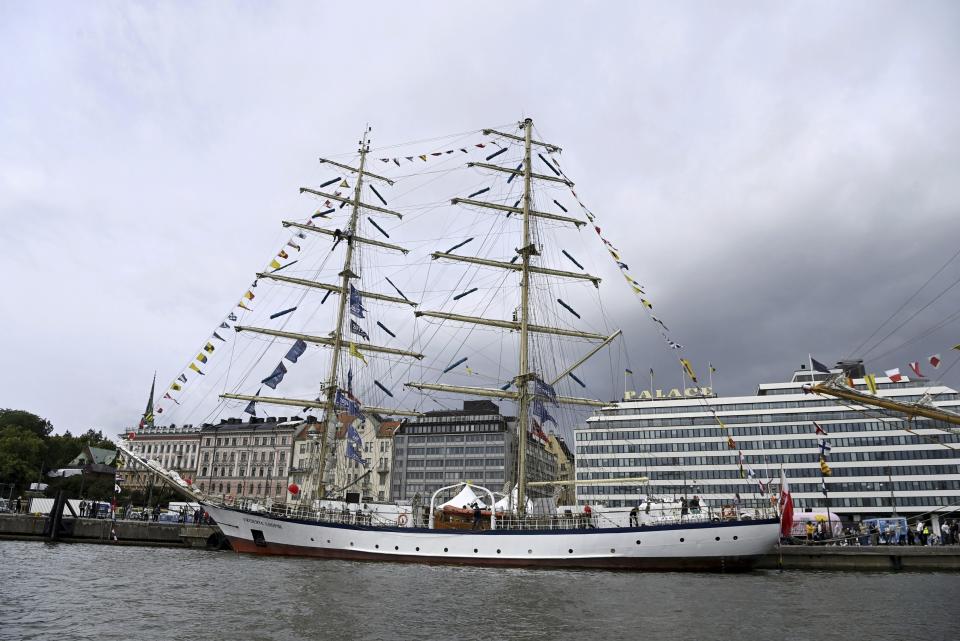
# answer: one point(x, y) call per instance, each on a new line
point(781, 178)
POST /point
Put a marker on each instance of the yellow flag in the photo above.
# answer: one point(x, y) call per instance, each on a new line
point(194, 367)
point(209, 348)
point(646, 303)
point(615, 255)
point(202, 357)
point(871, 382)
point(345, 183)
point(957, 346)
point(356, 353)
point(824, 468)
point(176, 387)
point(635, 288)
point(249, 295)
point(423, 158)
point(240, 304)
point(689, 369)
point(275, 263)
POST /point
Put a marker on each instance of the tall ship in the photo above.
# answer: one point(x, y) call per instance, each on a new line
point(512, 317)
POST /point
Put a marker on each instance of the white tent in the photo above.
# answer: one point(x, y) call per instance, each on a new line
point(503, 505)
point(466, 498)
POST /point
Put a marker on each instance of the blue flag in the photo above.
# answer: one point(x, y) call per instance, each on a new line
point(251, 407)
point(539, 411)
point(347, 405)
point(818, 366)
point(274, 379)
point(544, 390)
point(356, 302)
point(296, 351)
point(356, 329)
point(355, 446)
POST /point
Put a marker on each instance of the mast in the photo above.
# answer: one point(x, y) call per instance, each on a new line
point(523, 377)
point(523, 325)
point(345, 276)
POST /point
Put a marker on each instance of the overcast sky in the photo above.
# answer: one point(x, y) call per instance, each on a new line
point(781, 176)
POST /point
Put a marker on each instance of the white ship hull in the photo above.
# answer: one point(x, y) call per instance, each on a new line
point(711, 546)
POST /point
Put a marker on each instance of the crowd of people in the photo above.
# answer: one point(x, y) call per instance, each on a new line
point(922, 532)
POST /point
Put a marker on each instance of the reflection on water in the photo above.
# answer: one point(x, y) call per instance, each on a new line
point(76, 591)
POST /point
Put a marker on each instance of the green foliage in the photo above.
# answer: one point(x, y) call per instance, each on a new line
point(18, 418)
point(21, 455)
point(27, 443)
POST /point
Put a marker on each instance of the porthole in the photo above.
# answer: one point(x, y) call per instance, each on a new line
point(311, 538)
point(351, 543)
point(396, 547)
point(474, 550)
point(444, 549)
point(638, 541)
point(735, 538)
point(612, 551)
point(570, 551)
point(377, 546)
point(328, 541)
point(498, 551)
point(681, 539)
point(717, 538)
point(529, 551)
point(418, 548)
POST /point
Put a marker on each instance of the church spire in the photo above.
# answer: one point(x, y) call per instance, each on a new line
point(147, 420)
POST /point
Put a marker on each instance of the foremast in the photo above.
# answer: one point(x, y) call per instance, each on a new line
point(335, 340)
point(330, 419)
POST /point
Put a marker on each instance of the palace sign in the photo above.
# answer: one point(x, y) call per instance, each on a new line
point(690, 392)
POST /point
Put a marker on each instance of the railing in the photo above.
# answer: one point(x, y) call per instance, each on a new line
point(575, 521)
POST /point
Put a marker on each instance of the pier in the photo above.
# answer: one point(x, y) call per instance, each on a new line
point(863, 558)
point(89, 530)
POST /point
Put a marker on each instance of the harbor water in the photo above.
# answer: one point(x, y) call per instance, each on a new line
point(104, 592)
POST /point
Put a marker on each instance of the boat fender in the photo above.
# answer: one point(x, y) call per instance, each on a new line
point(402, 520)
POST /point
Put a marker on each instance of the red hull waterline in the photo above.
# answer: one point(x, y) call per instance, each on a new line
point(663, 564)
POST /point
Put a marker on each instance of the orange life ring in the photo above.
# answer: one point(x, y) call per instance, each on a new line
point(402, 520)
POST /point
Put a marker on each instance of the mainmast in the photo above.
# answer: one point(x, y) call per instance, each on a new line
point(526, 250)
point(523, 394)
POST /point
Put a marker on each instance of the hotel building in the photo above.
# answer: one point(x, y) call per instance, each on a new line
point(881, 463)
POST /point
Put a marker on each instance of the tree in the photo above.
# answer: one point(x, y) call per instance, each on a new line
point(21, 455)
point(19, 418)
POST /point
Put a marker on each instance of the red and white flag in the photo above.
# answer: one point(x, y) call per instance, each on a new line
point(934, 360)
point(915, 366)
point(786, 506)
point(893, 374)
point(819, 429)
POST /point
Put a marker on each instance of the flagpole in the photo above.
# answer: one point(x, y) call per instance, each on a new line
point(624, 384)
point(710, 368)
point(651, 383)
